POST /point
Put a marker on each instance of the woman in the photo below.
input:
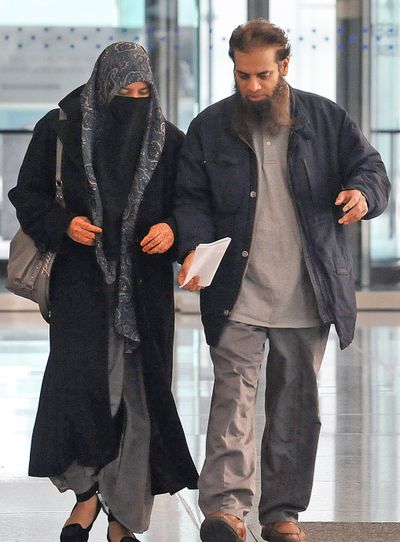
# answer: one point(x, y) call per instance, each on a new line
point(107, 425)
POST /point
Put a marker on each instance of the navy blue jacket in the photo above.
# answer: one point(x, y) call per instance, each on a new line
point(217, 194)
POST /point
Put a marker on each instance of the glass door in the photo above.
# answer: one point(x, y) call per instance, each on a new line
point(385, 133)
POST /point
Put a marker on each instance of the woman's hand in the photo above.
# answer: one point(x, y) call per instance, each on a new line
point(158, 240)
point(82, 231)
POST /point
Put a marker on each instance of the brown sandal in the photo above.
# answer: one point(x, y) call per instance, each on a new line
point(220, 527)
point(283, 531)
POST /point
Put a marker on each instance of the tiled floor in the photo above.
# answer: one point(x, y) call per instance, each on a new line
point(358, 468)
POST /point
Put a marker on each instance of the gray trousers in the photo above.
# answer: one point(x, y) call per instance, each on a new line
point(292, 425)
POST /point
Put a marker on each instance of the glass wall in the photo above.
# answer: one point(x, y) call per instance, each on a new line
point(187, 62)
point(47, 52)
point(385, 131)
point(311, 28)
point(218, 18)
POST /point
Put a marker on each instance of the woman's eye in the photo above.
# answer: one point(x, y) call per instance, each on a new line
point(135, 92)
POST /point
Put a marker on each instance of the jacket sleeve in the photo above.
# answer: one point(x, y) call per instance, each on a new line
point(40, 216)
point(173, 149)
point(362, 168)
point(193, 206)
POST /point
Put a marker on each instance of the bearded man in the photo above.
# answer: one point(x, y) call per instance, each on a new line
point(281, 172)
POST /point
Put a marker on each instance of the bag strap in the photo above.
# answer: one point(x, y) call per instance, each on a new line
point(59, 183)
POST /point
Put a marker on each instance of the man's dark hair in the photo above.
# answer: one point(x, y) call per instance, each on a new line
point(259, 33)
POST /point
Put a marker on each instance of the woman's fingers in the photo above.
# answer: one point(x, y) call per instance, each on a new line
point(82, 231)
point(159, 239)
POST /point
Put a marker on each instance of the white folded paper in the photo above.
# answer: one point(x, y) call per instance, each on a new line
point(206, 260)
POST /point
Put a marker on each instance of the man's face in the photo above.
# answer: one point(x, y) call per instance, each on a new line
point(257, 73)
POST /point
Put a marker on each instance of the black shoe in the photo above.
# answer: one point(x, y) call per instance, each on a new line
point(124, 539)
point(75, 532)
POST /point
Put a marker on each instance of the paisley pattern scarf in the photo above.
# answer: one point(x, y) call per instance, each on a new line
point(119, 65)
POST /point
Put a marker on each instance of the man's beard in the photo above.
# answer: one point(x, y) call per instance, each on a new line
point(268, 114)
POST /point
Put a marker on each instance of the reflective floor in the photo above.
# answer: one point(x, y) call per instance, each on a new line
point(358, 467)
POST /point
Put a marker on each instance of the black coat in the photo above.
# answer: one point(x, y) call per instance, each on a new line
point(216, 197)
point(73, 420)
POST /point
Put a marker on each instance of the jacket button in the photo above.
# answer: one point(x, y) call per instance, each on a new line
point(245, 254)
point(227, 312)
point(253, 194)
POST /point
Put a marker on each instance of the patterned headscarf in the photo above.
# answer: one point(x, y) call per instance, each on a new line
point(119, 65)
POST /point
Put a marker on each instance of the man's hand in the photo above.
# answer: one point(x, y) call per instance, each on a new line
point(193, 284)
point(355, 206)
point(82, 231)
point(158, 240)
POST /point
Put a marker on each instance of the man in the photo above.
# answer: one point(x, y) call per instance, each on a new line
point(281, 172)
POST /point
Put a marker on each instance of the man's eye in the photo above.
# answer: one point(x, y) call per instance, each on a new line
point(243, 76)
point(265, 75)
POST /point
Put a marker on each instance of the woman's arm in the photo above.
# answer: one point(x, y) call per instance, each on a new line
point(40, 216)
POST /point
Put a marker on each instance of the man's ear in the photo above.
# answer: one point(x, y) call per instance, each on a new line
point(284, 66)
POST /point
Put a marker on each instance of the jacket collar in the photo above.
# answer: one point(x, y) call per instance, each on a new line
point(301, 123)
point(71, 104)
point(69, 130)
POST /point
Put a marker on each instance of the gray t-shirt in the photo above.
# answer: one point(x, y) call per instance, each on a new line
point(276, 290)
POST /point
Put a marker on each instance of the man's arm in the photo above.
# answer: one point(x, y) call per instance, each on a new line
point(193, 200)
point(366, 188)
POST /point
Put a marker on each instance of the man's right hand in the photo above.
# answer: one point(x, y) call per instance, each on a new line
point(193, 284)
point(82, 231)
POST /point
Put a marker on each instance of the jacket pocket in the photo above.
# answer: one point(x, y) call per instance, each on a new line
point(319, 185)
point(330, 245)
point(228, 180)
point(343, 264)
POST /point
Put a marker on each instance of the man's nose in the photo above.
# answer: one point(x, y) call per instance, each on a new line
point(253, 84)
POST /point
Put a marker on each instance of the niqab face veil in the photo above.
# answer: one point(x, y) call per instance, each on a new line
point(119, 65)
